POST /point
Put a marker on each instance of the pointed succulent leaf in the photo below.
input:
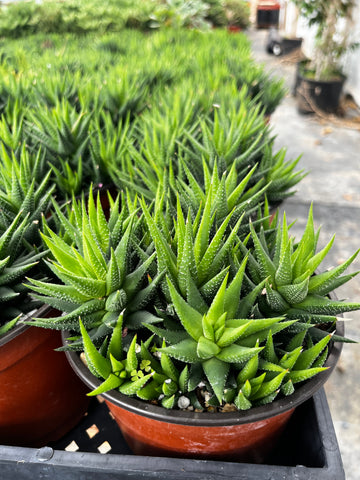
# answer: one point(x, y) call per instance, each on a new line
point(287, 388)
point(324, 306)
point(208, 328)
point(190, 318)
point(237, 354)
point(64, 292)
point(112, 382)
point(269, 387)
point(321, 359)
point(90, 287)
point(194, 297)
point(249, 370)
point(114, 275)
point(295, 293)
point(186, 351)
point(207, 348)
point(268, 398)
point(315, 261)
point(202, 236)
point(283, 274)
point(242, 402)
point(233, 291)
point(297, 376)
point(131, 357)
point(246, 303)
point(275, 300)
point(212, 249)
point(266, 265)
point(115, 344)
point(9, 325)
point(263, 334)
point(308, 356)
point(133, 279)
point(216, 308)
point(184, 379)
point(231, 335)
point(269, 351)
point(186, 262)
point(96, 363)
point(288, 360)
point(168, 367)
point(216, 372)
point(170, 336)
point(169, 387)
point(168, 402)
point(255, 325)
point(269, 366)
point(132, 387)
point(325, 282)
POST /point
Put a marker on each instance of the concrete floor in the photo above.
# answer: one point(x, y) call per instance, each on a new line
point(331, 152)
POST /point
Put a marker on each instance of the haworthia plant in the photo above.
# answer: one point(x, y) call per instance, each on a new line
point(104, 265)
point(295, 286)
point(21, 191)
point(193, 251)
point(216, 357)
point(15, 263)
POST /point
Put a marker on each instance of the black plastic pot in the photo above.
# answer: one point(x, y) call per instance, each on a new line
point(313, 95)
point(279, 45)
point(308, 450)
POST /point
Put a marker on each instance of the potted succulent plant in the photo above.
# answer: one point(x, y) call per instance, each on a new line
point(320, 80)
point(41, 398)
point(237, 13)
point(219, 338)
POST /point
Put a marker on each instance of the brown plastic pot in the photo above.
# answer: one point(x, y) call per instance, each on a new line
point(40, 396)
point(242, 436)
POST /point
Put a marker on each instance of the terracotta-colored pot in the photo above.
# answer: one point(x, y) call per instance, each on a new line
point(234, 29)
point(40, 396)
point(242, 436)
point(248, 441)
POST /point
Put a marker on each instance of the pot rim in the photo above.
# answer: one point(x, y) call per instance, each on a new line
point(21, 327)
point(207, 419)
point(340, 78)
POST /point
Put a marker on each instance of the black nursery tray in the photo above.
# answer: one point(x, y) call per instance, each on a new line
point(308, 450)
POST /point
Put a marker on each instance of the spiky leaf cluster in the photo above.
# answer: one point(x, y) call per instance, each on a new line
point(230, 346)
point(104, 266)
point(238, 360)
point(293, 287)
point(136, 371)
point(21, 192)
point(226, 193)
point(194, 252)
point(15, 263)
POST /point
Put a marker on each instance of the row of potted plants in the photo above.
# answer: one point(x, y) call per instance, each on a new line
point(191, 302)
point(81, 17)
